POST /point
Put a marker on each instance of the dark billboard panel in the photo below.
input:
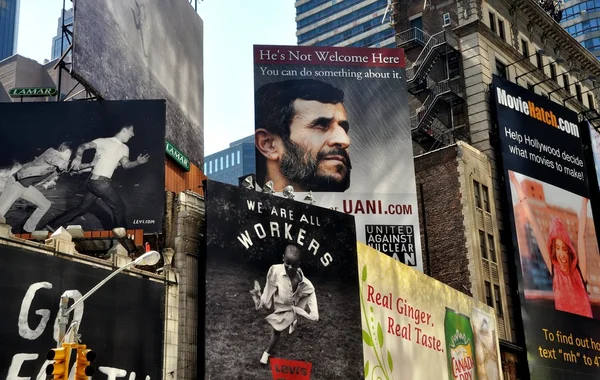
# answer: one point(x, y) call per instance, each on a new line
point(281, 289)
point(335, 121)
point(96, 164)
point(121, 322)
point(554, 237)
point(146, 49)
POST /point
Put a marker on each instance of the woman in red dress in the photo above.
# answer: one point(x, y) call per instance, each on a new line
point(567, 265)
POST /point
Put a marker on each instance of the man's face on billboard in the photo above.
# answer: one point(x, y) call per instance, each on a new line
point(316, 155)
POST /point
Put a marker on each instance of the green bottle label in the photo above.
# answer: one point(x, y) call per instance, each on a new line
point(459, 346)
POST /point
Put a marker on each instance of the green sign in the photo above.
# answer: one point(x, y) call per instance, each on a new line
point(176, 154)
point(32, 92)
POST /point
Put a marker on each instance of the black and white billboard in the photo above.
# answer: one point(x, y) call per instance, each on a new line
point(122, 322)
point(145, 49)
point(95, 164)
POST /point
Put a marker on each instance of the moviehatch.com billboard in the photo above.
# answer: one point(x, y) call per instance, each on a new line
point(100, 165)
point(554, 237)
point(282, 297)
point(335, 121)
point(146, 49)
point(415, 327)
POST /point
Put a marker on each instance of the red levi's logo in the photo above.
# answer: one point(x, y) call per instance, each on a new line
point(284, 369)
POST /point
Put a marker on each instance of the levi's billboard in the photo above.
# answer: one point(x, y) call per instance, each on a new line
point(553, 232)
point(335, 122)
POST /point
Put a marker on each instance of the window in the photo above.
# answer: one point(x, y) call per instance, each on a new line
point(221, 163)
point(498, 299)
point(578, 92)
point(486, 198)
point(501, 69)
point(566, 83)
point(205, 167)
point(530, 87)
point(488, 294)
point(446, 19)
point(591, 101)
point(216, 165)
point(238, 156)
point(482, 248)
point(490, 242)
point(476, 193)
point(209, 167)
point(232, 158)
point(539, 60)
point(501, 29)
point(493, 22)
point(553, 71)
point(525, 48)
point(227, 161)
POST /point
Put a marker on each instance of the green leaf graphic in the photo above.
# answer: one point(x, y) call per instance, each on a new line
point(367, 369)
point(390, 362)
point(367, 338)
point(379, 334)
point(364, 273)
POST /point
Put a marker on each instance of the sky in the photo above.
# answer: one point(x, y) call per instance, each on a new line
point(230, 29)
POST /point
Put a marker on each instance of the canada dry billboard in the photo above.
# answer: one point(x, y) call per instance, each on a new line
point(335, 121)
point(553, 232)
point(145, 49)
point(121, 322)
point(282, 299)
point(95, 164)
point(415, 327)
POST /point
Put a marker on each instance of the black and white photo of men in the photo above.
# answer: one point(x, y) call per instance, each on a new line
point(22, 183)
point(110, 153)
point(289, 293)
point(112, 174)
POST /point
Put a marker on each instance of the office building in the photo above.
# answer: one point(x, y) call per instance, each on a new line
point(60, 42)
point(453, 49)
point(231, 163)
point(582, 20)
point(344, 23)
point(9, 27)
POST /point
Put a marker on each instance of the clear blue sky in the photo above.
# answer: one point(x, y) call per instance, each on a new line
point(231, 27)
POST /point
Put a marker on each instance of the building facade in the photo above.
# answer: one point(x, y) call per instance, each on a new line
point(453, 49)
point(59, 42)
point(363, 23)
point(582, 20)
point(231, 163)
point(9, 27)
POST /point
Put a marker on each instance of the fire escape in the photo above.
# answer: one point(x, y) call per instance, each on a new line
point(439, 98)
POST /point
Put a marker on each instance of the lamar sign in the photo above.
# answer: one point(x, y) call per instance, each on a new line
point(179, 157)
point(32, 92)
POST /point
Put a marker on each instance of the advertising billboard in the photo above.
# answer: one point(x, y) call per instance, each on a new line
point(553, 232)
point(122, 322)
point(145, 49)
point(335, 122)
point(96, 164)
point(282, 298)
point(415, 327)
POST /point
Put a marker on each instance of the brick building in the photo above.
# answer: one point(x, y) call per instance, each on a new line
point(452, 50)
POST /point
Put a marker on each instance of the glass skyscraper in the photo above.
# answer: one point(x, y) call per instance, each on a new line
point(9, 26)
point(231, 163)
point(343, 23)
point(60, 43)
point(582, 20)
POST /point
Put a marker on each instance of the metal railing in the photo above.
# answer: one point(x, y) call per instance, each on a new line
point(413, 34)
point(433, 43)
point(440, 88)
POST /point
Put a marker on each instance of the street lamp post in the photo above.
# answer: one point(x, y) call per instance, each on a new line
point(148, 258)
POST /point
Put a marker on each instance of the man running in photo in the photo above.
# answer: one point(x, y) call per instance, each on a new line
point(110, 153)
point(21, 184)
point(289, 293)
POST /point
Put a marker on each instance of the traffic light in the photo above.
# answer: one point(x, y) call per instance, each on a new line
point(60, 368)
point(83, 368)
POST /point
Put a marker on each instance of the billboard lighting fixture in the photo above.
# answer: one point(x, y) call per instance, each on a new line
point(309, 198)
point(268, 188)
point(538, 51)
point(589, 77)
point(557, 61)
point(573, 70)
point(288, 192)
point(248, 183)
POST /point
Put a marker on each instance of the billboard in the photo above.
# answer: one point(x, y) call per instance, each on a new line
point(122, 321)
point(553, 232)
point(96, 164)
point(335, 121)
point(415, 327)
point(145, 49)
point(281, 289)
point(595, 143)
